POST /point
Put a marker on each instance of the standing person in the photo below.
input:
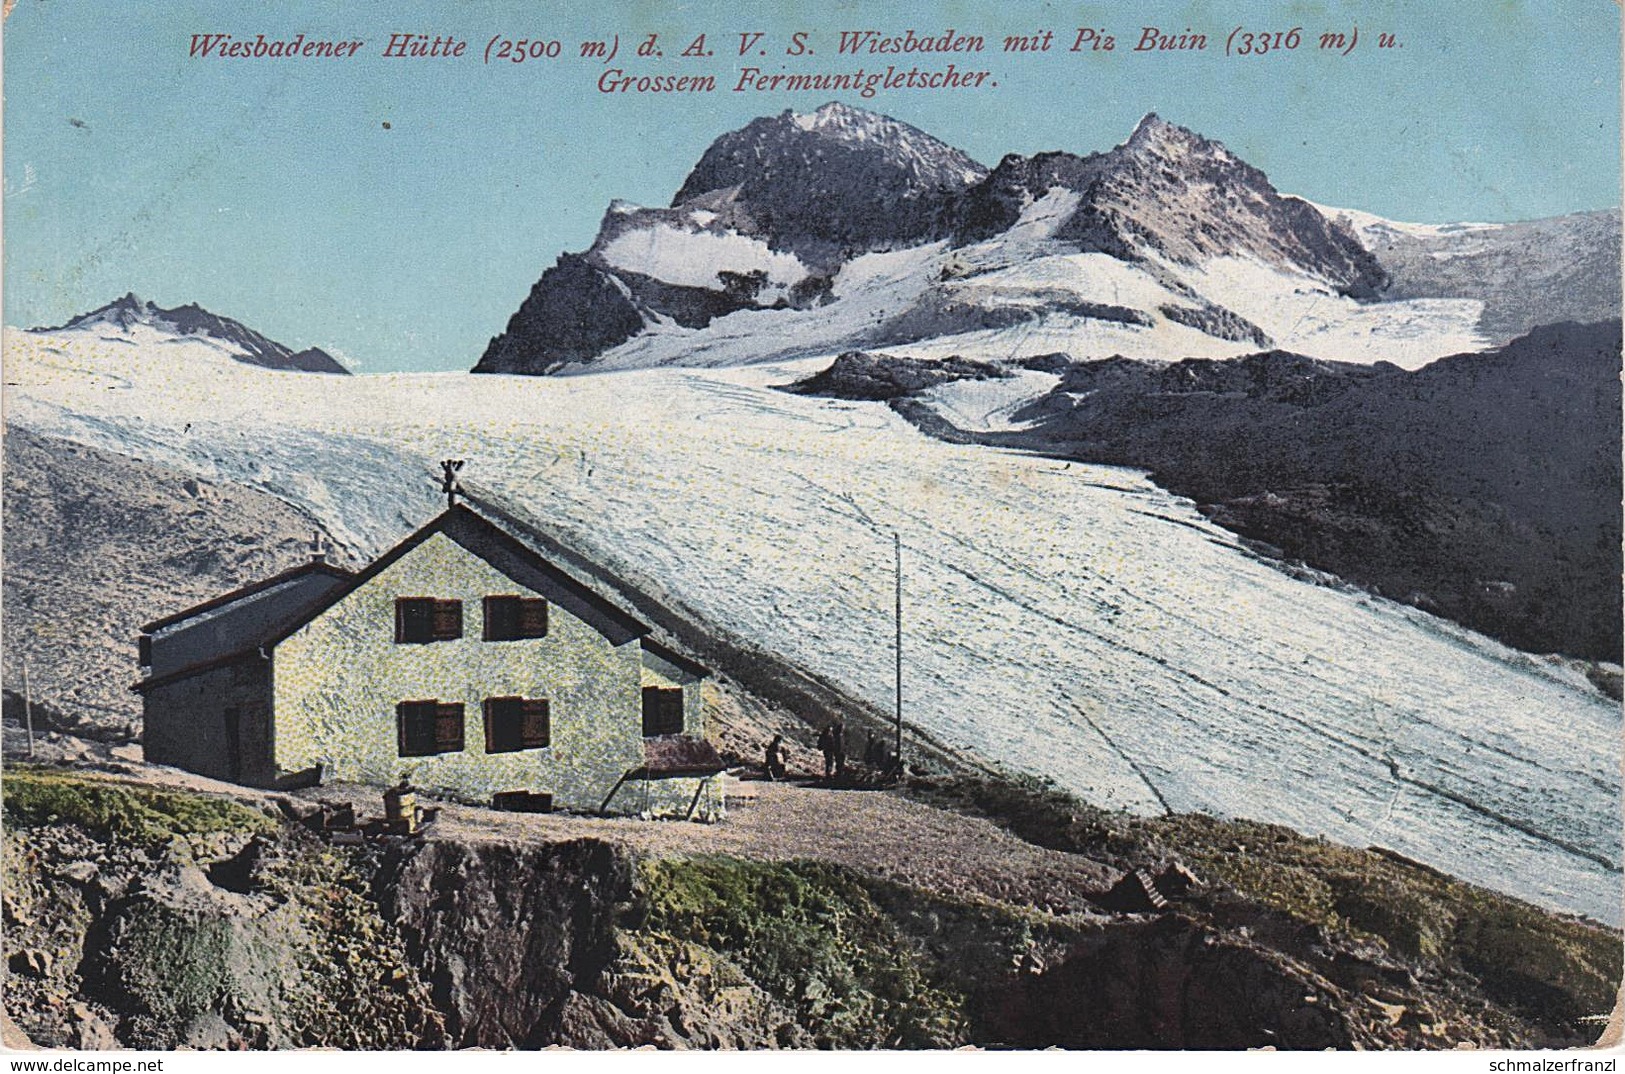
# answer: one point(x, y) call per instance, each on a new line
point(838, 740)
point(826, 746)
point(775, 758)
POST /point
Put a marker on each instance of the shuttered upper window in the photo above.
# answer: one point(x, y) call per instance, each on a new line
point(662, 711)
point(515, 723)
point(513, 618)
point(425, 728)
point(425, 619)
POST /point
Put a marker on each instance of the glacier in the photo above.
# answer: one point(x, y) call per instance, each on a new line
point(1067, 620)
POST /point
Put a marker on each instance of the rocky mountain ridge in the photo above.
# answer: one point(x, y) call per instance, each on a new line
point(837, 229)
point(247, 345)
point(1170, 191)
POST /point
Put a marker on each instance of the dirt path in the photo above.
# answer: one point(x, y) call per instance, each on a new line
point(874, 832)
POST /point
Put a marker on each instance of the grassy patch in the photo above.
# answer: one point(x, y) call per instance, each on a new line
point(809, 934)
point(861, 962)
point(38, 798)
point(1547, 967)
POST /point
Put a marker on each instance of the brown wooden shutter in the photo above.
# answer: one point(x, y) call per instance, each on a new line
point(500, 616)
point(415, 728)
point(448, 620)
point(535, 730)
point(500, 717)
point(414, 620)
point(448, 728)
point(533, 618)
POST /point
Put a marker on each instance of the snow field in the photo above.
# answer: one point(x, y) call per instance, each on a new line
point(1069, 620)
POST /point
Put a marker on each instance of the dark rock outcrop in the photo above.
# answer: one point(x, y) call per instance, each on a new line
point(859, 375)
point(503, 936)
point(831, 184)
point(574, 312)
point(1171, 983)
point(1485, 487)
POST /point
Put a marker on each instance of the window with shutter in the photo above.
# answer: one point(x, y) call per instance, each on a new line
point(414, 620)
point(448, 620)
point(514, 618)
point(516, 723)
point(415, 727)
point(662, 711)
point(533, 618)
point(448, 727)
point(425, 728)
point(419, 620)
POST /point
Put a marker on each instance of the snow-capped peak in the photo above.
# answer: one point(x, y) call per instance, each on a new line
point(1156, 137)
point(122, 312)
point(192, 320)
point(797, 138)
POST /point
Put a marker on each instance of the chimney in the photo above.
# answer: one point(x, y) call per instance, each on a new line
point(318, 547)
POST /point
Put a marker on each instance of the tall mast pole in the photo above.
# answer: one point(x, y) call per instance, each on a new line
point(897, 557)
point(28, 708)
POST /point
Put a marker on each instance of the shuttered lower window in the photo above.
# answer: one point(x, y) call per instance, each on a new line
point(516, 723)
point(425, 619)
point(514, 618)
point(662, 711)
point(425, 728)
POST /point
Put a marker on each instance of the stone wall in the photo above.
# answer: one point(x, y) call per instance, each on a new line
point(185, 723)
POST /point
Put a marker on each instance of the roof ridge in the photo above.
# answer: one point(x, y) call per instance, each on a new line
point(247, 590)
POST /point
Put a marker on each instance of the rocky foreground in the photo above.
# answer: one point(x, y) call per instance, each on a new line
point(145, 908)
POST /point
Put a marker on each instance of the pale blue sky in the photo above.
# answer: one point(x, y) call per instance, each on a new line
point(272, 192)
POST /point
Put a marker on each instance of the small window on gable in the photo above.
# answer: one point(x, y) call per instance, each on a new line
point(143, 647)
point(425, 728)
point(514, 618)
point(516, 723)
point(662, 711)
point(419, 620)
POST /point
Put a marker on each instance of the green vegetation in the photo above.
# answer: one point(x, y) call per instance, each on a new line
point(860, 962)
point(1547, 967)
point(41, 797)
point(282, 941)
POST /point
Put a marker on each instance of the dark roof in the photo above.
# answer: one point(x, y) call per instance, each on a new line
point(482, 538)
point(229, 630)
point(223, 660)
point(679, 755)
point(675, 658)
point(312, 567)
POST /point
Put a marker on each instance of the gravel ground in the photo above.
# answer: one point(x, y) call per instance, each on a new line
point(875, 832)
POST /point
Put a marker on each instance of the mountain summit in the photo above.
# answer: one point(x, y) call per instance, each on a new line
point(1167, 191)
point(841, 229)
point(193, 320)
point(830, 183)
